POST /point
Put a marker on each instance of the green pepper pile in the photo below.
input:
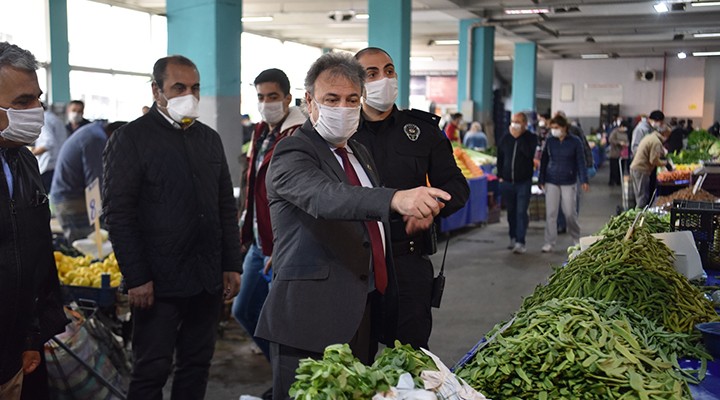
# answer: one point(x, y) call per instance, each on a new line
point(619, 224)
point(580, 348)
point(339, 375)
point(638, 272)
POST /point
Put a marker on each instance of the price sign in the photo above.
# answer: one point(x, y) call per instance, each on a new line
point(93, 202)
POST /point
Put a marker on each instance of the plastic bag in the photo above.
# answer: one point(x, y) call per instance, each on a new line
point(405, 390)
point(446, 384)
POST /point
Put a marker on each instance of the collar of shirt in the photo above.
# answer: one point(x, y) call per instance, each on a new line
point(173, 122)
point(7, 172)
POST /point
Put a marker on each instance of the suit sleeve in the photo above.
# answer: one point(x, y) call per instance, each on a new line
point(443, 173)
point(122, 184)
point(295, 175)
point(501, 159)
point(231, 255)
point(581, 163)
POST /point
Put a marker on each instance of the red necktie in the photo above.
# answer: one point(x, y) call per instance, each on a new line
point(379, 267)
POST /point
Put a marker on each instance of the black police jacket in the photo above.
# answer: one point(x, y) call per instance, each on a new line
point(30, 305)
point(409, 150)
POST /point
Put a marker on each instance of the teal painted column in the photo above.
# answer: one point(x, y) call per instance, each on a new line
point(59, 63)
point(389, 29)
point(208, 33)
point(523, 79)
point(476, 70)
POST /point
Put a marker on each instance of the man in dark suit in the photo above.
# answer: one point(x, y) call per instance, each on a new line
point(333, 279)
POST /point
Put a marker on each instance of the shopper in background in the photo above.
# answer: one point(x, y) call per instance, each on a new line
point(333, 276)
point(79, 163)
point(543, 131)
point(47, 147)
point(645, 127)
point(409, 150)
point(475, 138)
point(75, 116)
point(170, 210)
point(453, 129)
point(562, 166)
point(515, 154)
point(30, 307)
point(677, 133)
point(279, 120)
point(650, 155)
point(618, 153)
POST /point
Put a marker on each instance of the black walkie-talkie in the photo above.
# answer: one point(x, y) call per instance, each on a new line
point(439, 281)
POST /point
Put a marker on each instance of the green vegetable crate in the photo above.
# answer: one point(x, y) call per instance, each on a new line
point(703, 220)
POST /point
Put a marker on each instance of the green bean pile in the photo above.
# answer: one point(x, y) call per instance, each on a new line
point(619, 224)
point(576, 348)
point(638, 272)
point(339, 375)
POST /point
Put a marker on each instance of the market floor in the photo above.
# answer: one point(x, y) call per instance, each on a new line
point(485, 285)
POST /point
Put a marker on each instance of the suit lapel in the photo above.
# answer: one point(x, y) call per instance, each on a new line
point(323, 150)
point(363, 157)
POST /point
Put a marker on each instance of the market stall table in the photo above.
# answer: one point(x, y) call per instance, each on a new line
point(475, 210)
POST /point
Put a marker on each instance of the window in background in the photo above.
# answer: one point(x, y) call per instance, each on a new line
point(111, 96)
point(26, 27)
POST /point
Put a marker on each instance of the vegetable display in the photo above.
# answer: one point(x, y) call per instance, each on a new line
point(619, 224)
point(638, 272)
point(580, 348)
point(666, 202)
point(339, 375)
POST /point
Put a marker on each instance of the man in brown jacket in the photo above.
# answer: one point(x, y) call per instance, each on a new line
point(649, 155)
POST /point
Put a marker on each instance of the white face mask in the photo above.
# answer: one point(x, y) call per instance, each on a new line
point(556, 132)
point(272, 113)
point(23, 125)
point(643, 119)
point(183, 109)
point(336, 124)
point(381, 95)
point(74, 117)
point(515, 125)
point(541, 123)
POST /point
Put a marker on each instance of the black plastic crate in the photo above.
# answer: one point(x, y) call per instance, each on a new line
point(703, 220)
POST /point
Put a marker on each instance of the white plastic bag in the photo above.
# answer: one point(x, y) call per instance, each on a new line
point(446, 384)
point(405, 390)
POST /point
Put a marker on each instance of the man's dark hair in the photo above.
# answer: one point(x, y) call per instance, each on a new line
point(657, 115)
point(77, 103)
point(456, 116)
point(337, 64)
point(560, 121)
point(371, 50)
point(16, 57)
point(274, 75)
point(160, 68)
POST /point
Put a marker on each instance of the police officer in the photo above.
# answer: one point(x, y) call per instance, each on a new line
point(409, 149)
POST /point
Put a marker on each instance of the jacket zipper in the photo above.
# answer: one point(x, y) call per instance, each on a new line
point(512, 166)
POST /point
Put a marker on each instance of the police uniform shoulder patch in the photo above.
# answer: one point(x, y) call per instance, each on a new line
point(424, 116)
point(412, 131)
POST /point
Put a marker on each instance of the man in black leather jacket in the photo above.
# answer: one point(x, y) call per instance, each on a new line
point(30, 308)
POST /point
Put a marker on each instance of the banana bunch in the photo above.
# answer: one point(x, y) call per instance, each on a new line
point(82, 271)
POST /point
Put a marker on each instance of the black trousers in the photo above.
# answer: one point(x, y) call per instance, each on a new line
point(285, 359)
point(615, 170)
point(183, 327)
point(415, 281)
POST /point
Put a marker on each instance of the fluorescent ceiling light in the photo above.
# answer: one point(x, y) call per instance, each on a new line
point(661, 8)
point(446, 42)
point(257, 19)
point(594, 56)
point(421, 59)
point(682, 55)
point(502, 58)
point(706, 35)
point(362, 16)
point(705, 3)
point(706, 53)
point(525, 11)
